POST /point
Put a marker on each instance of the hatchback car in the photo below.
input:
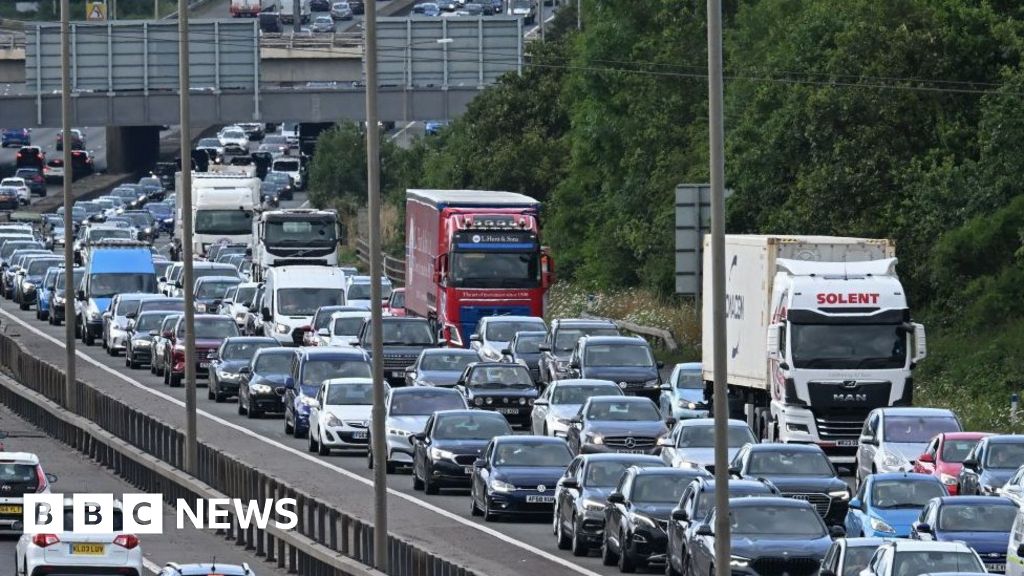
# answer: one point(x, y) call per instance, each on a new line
point(887, 504)
point(692, 442)
point(342, 327)
point(71, 552)
point(990, 464)
point(261, 389)
point(848, 556)
point(310, 368)
point(440, 367)
point(561, 341)
point(340, 418)
point(15, 137)
point(683, 395)
point(555, 409)
point(982, 523)
point(945, 456)
point(893, 438)
point(524, 348)
point(452, 440)
point(517, 475)
point(900, 557)
point(623, 359)
point(406, 411)
point(139, 341)
point(493, 333)
point(20, 474)
point(227, 361)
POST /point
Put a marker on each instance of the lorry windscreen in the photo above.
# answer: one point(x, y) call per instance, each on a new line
point(305, 301)
point(301, 233)
point(849, 346)
point(108, 285)
point(223, 222)
point(495, 269)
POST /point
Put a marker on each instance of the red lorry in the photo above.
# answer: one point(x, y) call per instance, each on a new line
point(472, 254)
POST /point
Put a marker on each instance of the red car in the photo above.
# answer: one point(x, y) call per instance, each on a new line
point(211, 330)
point(395, 305)
point(945, 455)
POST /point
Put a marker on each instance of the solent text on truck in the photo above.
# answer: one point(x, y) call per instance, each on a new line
point(819, 333)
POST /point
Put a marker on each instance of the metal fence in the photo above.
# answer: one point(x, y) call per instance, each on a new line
point(394, 268)
point(149, 453)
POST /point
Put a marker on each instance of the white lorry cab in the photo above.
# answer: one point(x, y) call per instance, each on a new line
point(292, 295)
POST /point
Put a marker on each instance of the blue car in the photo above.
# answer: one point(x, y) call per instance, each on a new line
point(982, 522)
point(517, 475)
point(682, 397)
point(45, 294)
point(434, 127)
point(886, 505)
point(15, 137)
point(312, 367)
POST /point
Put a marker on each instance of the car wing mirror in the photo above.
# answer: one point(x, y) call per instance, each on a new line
point(869, 440)
point(616, 498)
point(922, 528)
point(926, 458)
point(51, 478)
point(479, 463)
point(705, 530)
point(837, 532)
point(680, 515)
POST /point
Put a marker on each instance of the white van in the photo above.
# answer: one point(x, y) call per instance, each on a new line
point(292, 295)
point(291, 166)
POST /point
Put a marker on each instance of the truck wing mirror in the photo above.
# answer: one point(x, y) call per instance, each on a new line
point(920, 343)
point(774, 337)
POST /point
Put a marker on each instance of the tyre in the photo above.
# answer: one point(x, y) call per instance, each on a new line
point(209, 391)
point(176, 380)
point(489, 516)
point(87, 338)
point(417, 484)
point(323, 450)
point(561, 538)
point(251, 411)
point(626, 563)
point(22, 304)
point(298, 432)
point(608, 558)
point(130, 361)
point(390, 467)
point(312, 444)
point(473, 509)
point(287, 426)
point(241, 409)
point(669, 570)
point(429, 486)
point(578, 545)
point(369, 457)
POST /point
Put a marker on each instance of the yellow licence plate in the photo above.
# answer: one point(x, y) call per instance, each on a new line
point(87, 549)
point(10, 509)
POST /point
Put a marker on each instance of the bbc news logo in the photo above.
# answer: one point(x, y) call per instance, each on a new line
point(144, 513)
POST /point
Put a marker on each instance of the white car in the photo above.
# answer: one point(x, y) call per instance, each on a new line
point(893, 438)
point(234, 140)
point(290, 166)
point(74, 553)
point(561, 402)
point(236, 302)
point(20, 474)
point(493, 333)
point(24, 194)
point(340, 419)
point(917, 557)
point(693, 442)
point(342, 328)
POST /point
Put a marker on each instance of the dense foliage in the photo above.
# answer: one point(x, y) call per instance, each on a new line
point(899, 119)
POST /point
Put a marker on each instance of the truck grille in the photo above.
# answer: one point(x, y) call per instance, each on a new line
point(790, 566)
point(630, 442)
point(839, 429)
point(821, 502)
point(398, 361)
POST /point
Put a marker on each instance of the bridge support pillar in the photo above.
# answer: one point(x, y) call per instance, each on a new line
point(132, 148)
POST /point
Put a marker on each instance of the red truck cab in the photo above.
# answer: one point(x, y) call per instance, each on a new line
point(472, 254)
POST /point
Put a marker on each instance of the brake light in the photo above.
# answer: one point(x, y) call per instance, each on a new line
point(41, 477)
point(127, 541)
point(44, 540)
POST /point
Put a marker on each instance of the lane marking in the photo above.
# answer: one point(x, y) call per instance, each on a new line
point(309, 458)
point(151, 566)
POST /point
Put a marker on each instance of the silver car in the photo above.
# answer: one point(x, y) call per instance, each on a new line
point(561, 401)
point(323, 24)
point(693, 442)
point(406, 413)
point(893, 438)
point(493, 333)
point(341, 11)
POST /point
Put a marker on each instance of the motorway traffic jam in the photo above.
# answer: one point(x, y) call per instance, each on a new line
point(569, 421)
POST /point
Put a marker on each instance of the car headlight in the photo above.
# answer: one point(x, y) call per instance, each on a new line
point(58, 300)
point(947, 479)
point(893, 460)
point(880, 526)
point(27, 286)
point(200, 307)
point(333, 420)
point(281, 328)
point(843, 494)
point(595, 439)
point(308, 401)
point(686, 405)
point(593, 505)
point(229, 376)
point(501, 486)
point(739, 562)
point(399, 432)
point(654, 382)
point(140, 343)
point(261, 389)
point(439, 454)
point(478, 401)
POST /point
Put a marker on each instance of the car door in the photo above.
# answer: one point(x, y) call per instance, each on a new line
point(565, 498)
point(831, 558)
point(540, 411)
point(419, 449)
point(481, 474)
point(314, 413)
point(573, 432)
point(576, 368)
point(866, 452)
point(929, 514)
point(289, 391)
point(616, 512)
point(855, 517)
point(676, 528)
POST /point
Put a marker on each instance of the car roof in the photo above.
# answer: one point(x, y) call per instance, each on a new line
point(346, 381)
point(772, 446)
point(457, 351)
point(707, 483)
point(903, 476)
point(204, 569)
point(571, 382)
point(902, 545)
point(971, 500)
point(758, 501)
point(470, 412)
point(19, 458)
point(488, 319)
point(638, 459)
point(964, 435)
point(216, 279)
point(330, 352)
point(529, 439)
point(915, 411)
point(424, 389)
point(633, 399)
point(1005, 439)
point(627, 340)
point(670, 471)
point(276, 350)
point(864, 542)
point(708, 422)
point(583, 323)
point(250, 339)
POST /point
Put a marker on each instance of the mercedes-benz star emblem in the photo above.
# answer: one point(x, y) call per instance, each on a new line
point(630, 442)
point(542, 488)
point(623, 385)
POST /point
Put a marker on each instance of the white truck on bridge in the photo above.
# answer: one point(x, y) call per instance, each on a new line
point(223, 205)
point(818, 333)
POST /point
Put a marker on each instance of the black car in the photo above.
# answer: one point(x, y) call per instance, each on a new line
point(440, 366)
point(319, 5)
point(404, 339)
point(34, 179)
point(524, 348)
point(153, 187)
point(139, 343)
point(617, 424)
point(258, 389)
point(26, 291)
point(799, 471)
point(561, 340)
point(517, 475)
point(144, 222)
point(499, 387)
point(991, 464)
point(357, 6)
point(9, 198)
point(696, 503)
point(581, 496)
point(444, 453)
point(627, 360)
point(165, 172)
point(770, 535)
point(226, 364)
point(637, 514)
point(58, 306)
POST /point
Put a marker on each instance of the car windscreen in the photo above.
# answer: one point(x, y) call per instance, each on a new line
point(316, 371)
point(614, 411)
point(580, 393)
point(348, 326)
point(108, 285)
point(658, 488)
point(470, 427)
point(398, 299)
point(689, 380)
point(216, 289)
point(412, 332)
point(503, 331)
point(505, 376)
point(901, 493)
point(634, 355)
point(565, 339)
point(532, 455)
point(39, 267)
point(218, 270)
point(976, 517)
point(704, 437)
point(1005, 455)
point(280, 363)
point(359, 291)
point(779, 521)
point(934, 561)
point(286, 166)
point(955, 451)
point(168, 305)
point(350, 394)
point(605, 474)
point(244, 350)
point(448, 361)
point(529, 344)
point(305, 301)
point(789, 463)
point(245, 294)
point(426, 402)
point(126, 306)
point(917, 429)
point(147, 322)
